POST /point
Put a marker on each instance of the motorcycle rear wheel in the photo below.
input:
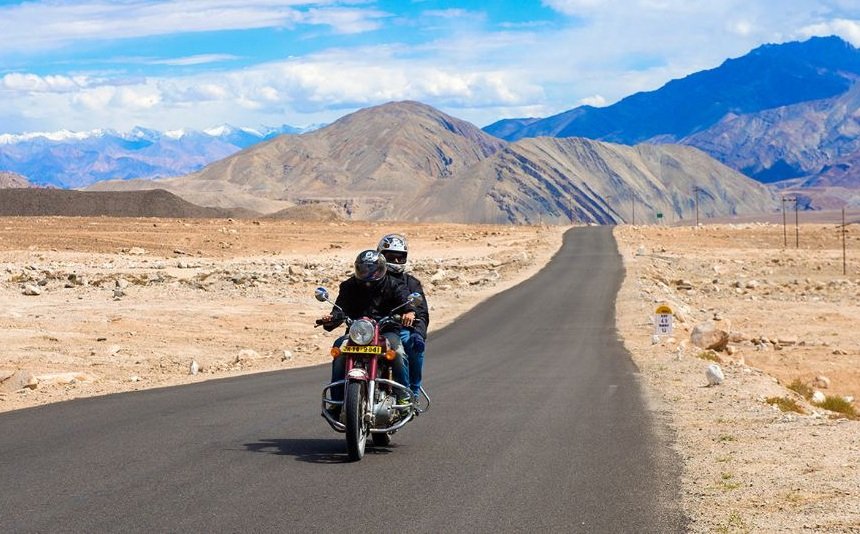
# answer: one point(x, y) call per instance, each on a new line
point(356, 429)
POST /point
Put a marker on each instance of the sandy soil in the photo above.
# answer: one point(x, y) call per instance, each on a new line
point(127, 304)
point(792, 315)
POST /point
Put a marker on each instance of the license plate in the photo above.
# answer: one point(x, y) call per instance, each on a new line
point(362, 349)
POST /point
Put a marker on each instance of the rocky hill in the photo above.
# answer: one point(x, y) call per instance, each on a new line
point(10, 180)
point(809, 139)
point(154, 203)
point(409, 161)
point(575, 179)
point(369, 164)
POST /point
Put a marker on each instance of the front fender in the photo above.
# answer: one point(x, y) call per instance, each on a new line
point(357, 373)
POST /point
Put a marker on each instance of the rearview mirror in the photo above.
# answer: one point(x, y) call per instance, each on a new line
point(321, 294)
point(415, 297)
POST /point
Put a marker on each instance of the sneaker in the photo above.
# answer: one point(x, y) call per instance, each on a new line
point(403, 402)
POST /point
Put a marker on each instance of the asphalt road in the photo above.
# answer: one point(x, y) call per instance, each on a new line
point(538, 424)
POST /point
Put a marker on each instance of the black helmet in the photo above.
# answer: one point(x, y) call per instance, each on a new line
point(370, 266)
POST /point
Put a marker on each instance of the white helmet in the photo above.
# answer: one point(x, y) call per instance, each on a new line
point(395, 250)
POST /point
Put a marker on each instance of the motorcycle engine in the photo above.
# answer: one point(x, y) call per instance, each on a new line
point(383, 413)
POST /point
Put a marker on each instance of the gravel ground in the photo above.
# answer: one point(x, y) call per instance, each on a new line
point(748, 466)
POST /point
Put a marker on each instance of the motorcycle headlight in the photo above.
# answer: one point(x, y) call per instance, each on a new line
point(361, 332)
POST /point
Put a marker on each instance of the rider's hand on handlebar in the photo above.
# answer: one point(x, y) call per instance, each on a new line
point(324, 321)
point(408, 318)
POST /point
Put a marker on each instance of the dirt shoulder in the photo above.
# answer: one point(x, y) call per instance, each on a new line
point(92, 306)
point(792, 317)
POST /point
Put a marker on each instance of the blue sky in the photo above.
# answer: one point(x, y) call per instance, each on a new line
point(169, 64)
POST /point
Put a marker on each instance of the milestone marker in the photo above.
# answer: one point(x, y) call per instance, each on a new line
point(663, 320)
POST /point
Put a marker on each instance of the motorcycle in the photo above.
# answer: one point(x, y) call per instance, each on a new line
point(369, 406)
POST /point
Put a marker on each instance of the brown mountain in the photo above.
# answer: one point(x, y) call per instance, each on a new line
point(11, 180)
point(377, 154)
point(62, 202)
point(576, 179)
point(406, 160)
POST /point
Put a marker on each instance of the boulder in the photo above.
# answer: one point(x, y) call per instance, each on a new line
point(19, 380)
point(32, 290)
point(714, 375)
point(821, 382)
point(64, 378)
point(707, 336)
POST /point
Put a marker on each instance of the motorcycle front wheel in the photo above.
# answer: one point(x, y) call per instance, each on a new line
point(356, 427)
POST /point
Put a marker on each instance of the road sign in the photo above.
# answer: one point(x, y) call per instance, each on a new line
point(659, 214)
point(663, 320)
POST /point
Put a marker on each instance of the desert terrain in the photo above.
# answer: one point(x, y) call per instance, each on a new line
point(90, 306)
point(792, 318)
point(101, 305)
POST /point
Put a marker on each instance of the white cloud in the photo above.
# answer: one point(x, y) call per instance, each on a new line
point(596, 101)
point(574, 7)
point(847, 29)
point(118, 99)
point(608, 51)
point(199, 59)
point(31, 83)
point(345, 21)
point(35, 25)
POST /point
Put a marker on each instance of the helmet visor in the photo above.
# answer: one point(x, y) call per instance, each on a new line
point(394, 256)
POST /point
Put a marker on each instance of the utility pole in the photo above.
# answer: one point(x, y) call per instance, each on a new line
point(633, 205)
point(844, 231)
point(796, 227)
point(784, 231)
point(696, 192)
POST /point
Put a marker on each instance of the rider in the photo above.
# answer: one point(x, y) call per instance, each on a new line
point(369, 292)
point(395, 250)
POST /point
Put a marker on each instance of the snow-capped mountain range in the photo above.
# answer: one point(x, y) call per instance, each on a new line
point(70, 159)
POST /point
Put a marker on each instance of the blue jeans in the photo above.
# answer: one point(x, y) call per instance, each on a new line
point(414, 358)
point(400, 369)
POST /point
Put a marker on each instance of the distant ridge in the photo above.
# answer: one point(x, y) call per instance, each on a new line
point(77, 159)
point(35, 202)
point(780, 112)
point(409, 161)
point(771, 76)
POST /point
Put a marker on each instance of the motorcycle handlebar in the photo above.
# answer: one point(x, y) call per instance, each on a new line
point(383, 321)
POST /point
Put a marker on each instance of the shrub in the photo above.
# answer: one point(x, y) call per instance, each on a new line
point(801, 388)
point(785, 404)
point(710, 356)
point(839, 405)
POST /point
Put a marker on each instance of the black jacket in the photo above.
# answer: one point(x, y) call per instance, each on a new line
point(359, 300)
point(422, 309)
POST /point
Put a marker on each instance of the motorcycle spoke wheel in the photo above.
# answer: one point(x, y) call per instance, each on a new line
point(356, 427)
